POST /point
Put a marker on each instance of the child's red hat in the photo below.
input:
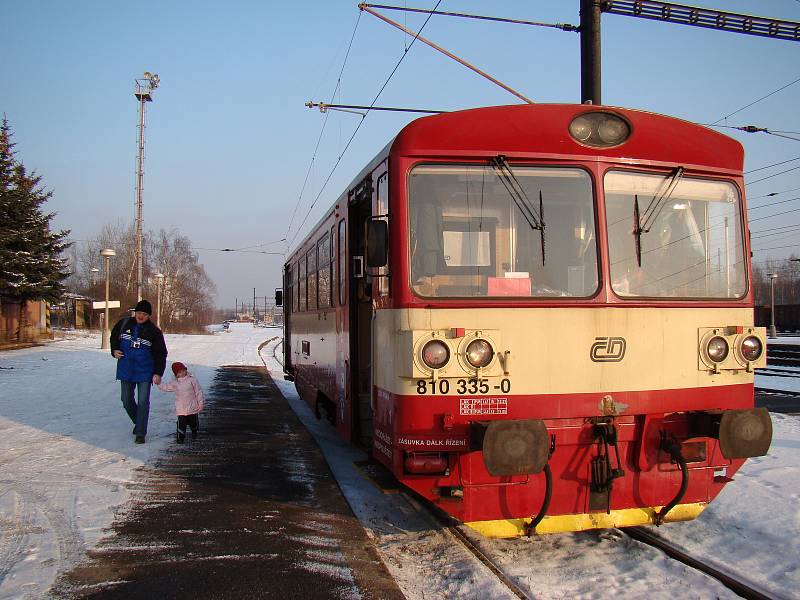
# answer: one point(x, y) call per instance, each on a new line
point(177, 367)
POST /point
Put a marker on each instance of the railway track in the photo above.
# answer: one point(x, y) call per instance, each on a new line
point(447, 524)
point(737, 585)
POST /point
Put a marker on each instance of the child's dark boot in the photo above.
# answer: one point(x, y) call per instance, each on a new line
point(180, 436)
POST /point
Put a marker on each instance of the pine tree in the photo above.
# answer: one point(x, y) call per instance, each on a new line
point(31, 267)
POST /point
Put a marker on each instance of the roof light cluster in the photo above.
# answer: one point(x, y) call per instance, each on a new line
point(599, 129)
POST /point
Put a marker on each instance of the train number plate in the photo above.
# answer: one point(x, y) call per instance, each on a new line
point(483, 406)
point(463, 386)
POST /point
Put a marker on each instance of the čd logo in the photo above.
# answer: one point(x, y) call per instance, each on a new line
point(608, 349)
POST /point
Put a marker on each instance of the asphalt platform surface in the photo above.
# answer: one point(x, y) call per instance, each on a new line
point(248, 510)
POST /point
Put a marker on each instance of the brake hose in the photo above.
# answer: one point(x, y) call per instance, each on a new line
point(674, 450)
point(548, 493)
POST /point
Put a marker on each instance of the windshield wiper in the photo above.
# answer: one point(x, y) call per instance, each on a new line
point(534, 218)
point(643, 223)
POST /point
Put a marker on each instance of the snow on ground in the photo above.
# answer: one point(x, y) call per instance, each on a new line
point(66, 448)
point(67, 456)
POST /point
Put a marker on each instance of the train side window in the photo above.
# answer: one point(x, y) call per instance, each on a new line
point(311, 270)
point(341, 259)
point(296, 276)
point(331, 261)
point(301, 288)
point(324, 272)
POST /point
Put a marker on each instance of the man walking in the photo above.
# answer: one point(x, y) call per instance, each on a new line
point(138, 345)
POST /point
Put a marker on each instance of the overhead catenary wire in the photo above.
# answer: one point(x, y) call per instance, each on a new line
point(777, 164)
point(773, 175)
point(562, 26)
point(446, 53)
point(767, 232)
point(756, 129)
point(786, 212)
point(772, 204)
point(324, 107)
point(774, 193)
point(780, 89)
point(237, 250)
point(352, 137)
point(797, 245)
point(322, 131)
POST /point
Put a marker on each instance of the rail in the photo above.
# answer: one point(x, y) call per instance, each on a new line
point(737, 585)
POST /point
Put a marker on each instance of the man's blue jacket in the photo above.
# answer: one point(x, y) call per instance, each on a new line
point(144, 352)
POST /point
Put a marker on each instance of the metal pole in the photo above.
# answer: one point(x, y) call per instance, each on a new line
point(160, 280)
point(772, 331)
point(139, 185)
point(590, 51)
point(106, 344)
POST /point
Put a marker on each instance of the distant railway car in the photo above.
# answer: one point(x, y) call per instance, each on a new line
point(538, 317)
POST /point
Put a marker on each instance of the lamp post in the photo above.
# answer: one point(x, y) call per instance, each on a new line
point(160, 282)
point(772, 277)
point(143, 93)
point(107, 253)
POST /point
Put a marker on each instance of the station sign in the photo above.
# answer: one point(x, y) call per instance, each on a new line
point(102, 305)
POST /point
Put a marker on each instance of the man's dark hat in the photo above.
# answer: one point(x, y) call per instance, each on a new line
point(144, 306)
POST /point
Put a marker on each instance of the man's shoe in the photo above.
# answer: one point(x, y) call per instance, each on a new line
point(140, 439)
point(179, 437)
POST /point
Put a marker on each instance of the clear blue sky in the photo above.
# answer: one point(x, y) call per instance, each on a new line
point(229, 140)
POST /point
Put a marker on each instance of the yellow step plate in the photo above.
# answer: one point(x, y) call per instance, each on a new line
point(628, 517)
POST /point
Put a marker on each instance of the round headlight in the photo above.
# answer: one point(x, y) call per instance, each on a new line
point(581, 128)
point(435, 354)
point(717, 349)
point(612, 130)
point(751, 348)
point(479, 353)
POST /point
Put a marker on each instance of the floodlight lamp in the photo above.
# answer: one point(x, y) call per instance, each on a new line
point(94, 270)
point(147, 75)
point(159, 276)
point(107, 252)
point(154, 81)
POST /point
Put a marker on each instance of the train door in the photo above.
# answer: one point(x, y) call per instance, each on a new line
point(361, 309)
point(288, 306)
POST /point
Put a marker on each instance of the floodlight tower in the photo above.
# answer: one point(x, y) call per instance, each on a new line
point(143, 93)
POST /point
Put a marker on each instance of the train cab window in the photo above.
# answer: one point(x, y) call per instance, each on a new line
point(473, 234)
point(688, 243)
point(311, 270)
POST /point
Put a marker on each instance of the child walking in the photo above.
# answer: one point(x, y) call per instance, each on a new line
point(188, 400)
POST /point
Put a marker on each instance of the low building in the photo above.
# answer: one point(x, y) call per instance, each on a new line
point(24, 322)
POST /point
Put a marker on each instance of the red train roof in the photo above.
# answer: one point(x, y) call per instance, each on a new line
point(542, 129)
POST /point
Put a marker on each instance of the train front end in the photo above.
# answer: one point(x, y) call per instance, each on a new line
point(570, 343)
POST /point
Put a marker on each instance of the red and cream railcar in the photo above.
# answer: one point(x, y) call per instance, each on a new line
point(538, 317)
